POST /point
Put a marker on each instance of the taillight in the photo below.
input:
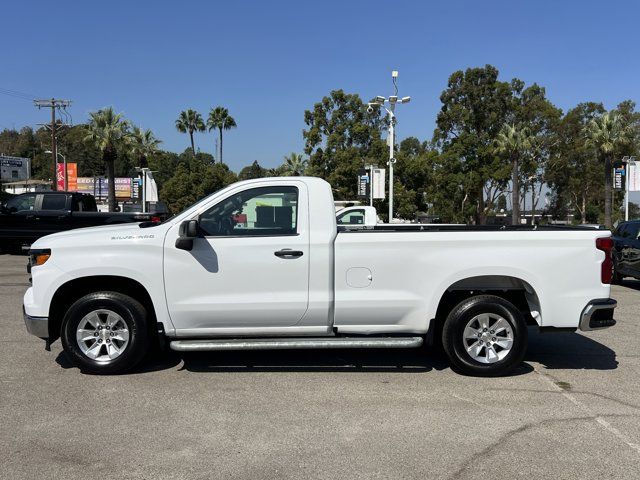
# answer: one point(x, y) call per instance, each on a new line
point(606, 270)
point(155, 219)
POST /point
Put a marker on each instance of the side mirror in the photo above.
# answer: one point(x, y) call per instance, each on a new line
point(188, 231)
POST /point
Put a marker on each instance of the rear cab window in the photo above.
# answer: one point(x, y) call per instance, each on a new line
point(55, 201)
point(353, 217)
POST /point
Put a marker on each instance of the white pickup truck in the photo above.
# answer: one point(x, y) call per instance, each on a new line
point(262, 264)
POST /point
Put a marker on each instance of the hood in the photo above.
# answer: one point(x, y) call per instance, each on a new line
point(100, 235)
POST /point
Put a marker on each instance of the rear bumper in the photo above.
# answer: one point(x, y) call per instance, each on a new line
point(598, 314)
point(38, 326)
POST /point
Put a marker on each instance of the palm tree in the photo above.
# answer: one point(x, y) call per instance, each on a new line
point(294, 165)
point(190, 121)
point(107, 130)
point(219, 118)
point(513, 142)
point(143, 144)
point(606, 134)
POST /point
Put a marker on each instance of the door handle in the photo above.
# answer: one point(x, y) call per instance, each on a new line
point(287, 252)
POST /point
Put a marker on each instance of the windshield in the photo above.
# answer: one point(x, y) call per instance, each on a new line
point(168, 219)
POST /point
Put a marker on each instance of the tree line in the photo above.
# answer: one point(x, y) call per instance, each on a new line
point(498, 145)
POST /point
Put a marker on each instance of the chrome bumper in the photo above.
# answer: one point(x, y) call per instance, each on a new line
point(598, 314)
point(38, 326)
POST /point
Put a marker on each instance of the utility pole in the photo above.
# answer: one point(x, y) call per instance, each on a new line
point(54, 103)
point(392, 101)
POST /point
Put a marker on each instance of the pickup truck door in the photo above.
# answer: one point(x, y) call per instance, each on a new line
point(250, 268)
point(18, 223)
point(52, 213)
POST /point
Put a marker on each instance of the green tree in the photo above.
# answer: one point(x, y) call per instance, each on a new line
point(605, 134)
point(475, 105)
point(252, 171)
point(194, 178)
point(190, 121)
point(107, 130)
point(573, 172)
point(531, 109)
point(513, 142)
point(413, 179)
point(143, 144)
point(340, 138)
point(294, 165)
point(220, 119)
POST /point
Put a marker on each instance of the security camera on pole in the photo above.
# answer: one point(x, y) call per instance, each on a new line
point(391, 101)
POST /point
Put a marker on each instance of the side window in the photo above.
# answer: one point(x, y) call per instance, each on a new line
point(54, 202)
point(634, 231)
point(22, 203)
point(354, 217)
point(257, 211)
point(86, 204)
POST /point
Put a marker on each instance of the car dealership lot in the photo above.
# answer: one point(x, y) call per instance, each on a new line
point(571, 411)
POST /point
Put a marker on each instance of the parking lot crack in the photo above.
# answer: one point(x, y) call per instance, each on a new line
point(558, 392)
point(482, 454)
point(599, 419)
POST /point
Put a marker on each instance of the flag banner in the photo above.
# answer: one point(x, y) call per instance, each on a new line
point(378, 183)
point(363, 183)
point(634, 177)
point(618, 178)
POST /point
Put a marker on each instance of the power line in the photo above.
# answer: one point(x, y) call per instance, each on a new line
point(17, 94)
point(54, 104)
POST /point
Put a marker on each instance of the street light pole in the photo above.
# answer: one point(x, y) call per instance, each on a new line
point(391, 139)
point(392, 160)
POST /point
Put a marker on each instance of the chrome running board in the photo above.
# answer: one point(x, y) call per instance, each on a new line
point(295, 343)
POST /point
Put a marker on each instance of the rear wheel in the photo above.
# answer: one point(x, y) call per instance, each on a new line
point(105, 332)
point(485, 335)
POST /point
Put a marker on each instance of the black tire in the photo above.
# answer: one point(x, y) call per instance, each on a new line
point(455, 344)
point(617, 277)
point(131, 312)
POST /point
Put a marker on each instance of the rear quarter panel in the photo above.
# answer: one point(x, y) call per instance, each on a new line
point(410, 272)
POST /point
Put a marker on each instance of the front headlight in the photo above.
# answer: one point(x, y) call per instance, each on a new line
point(39, 256)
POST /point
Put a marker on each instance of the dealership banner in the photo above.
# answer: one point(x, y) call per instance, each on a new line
point(99, 187)
point(363, 183)
point(618, 178)
point(72, 176)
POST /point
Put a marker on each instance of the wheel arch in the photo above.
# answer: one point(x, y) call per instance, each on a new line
point(513, 289)
point(77, 288)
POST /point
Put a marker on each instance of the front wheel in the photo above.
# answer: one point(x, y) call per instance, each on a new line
point(485, 335)
point(105, 332)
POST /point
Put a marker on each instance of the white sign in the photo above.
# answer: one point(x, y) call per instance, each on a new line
point(634, 177)
point(13, 169)
point(378, 183)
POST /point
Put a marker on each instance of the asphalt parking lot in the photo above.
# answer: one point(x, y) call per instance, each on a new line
point(572, 410)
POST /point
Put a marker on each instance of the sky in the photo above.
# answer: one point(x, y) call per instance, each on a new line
point(269, 61)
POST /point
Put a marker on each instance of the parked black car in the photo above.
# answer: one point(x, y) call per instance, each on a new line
point(626, 251)
point(29, 216)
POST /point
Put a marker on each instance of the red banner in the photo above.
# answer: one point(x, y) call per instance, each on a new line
point(72, 176)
